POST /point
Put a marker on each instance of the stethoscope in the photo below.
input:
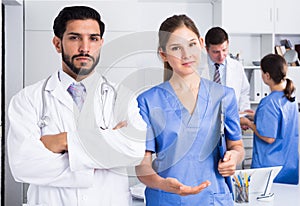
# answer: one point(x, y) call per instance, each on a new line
point(106, 87)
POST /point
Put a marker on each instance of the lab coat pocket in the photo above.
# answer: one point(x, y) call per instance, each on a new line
point(222, 199)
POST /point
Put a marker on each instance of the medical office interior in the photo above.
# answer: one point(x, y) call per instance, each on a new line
point(255, 29)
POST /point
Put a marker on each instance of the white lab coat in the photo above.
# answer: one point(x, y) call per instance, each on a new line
point(236, 79)
point(72, 178)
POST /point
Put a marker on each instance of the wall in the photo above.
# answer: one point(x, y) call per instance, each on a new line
point(128, 23)
point(13, 82)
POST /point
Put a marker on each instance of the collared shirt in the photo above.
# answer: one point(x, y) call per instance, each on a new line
point(65, 79)
point(222, 70)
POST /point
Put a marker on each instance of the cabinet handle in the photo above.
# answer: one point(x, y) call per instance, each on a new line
point(277, 14)
point(271, 15)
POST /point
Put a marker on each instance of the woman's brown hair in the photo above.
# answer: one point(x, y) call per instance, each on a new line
point(276, 66)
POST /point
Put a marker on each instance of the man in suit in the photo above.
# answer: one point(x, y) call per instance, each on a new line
point(225, 70)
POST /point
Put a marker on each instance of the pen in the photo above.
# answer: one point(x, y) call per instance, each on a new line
point(237, 181)
point(249, 177)
point(246, 179)
point(240, 180)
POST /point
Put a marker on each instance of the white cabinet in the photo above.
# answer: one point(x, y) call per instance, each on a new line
point(256, 16)
point(286, 18)
point(247, 16)
point(264, 22)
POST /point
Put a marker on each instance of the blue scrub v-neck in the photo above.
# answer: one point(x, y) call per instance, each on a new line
point(189, 120)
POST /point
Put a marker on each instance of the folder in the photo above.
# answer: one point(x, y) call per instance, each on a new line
point(256, 85)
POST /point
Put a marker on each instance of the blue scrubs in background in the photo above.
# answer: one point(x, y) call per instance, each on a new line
point(277, 117)
point(186, 144)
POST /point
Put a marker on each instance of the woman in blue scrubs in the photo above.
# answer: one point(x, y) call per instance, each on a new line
point(275, 126)
point(183, 117)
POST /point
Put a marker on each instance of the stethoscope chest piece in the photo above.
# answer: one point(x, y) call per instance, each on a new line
point(43, 122)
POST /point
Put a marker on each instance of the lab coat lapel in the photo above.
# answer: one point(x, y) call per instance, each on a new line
point(204, 72)
point(232, 82)
point(55, 88)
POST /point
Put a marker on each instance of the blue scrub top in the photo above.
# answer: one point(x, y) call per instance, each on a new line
point(186, 144)
point(277, 117)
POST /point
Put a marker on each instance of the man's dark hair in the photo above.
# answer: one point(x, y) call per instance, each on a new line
point(215, 36)
point(75, 13)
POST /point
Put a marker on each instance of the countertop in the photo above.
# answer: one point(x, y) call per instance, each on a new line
point(283, 195)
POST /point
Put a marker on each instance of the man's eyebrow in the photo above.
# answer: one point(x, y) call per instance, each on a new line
point(73, 33)
point(78, 34)
point(95, 35)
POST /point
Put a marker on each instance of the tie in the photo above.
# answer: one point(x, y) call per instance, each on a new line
point(217, 77)
point(78, 93)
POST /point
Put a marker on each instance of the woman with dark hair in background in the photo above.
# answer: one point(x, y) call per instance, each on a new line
point(275, 123)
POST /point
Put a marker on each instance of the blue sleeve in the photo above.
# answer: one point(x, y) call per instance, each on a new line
point(232, 120)
point(267, 119)
point(144, 112)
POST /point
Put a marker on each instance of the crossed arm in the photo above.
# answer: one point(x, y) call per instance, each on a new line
point(57, 143)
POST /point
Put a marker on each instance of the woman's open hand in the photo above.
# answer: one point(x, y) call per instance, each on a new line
point(174, 186)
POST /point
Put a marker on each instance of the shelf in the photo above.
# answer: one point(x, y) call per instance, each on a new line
point(254, 102)
point(251, 67)
point(180, 1)
point(257, 67)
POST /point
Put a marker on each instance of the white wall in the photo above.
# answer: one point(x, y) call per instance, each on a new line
point(128, 23)
point(13, 80)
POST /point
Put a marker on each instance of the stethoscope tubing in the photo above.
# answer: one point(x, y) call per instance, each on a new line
point(44, 119)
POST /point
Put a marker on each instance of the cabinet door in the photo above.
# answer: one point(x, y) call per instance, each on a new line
point(248, 16)
point(287, 19)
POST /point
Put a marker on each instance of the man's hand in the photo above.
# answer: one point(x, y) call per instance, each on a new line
point(120, 125)
point(56, 143)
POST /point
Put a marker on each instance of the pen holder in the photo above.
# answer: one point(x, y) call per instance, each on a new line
point(241, 193)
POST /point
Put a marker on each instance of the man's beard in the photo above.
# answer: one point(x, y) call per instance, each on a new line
point(79, 71)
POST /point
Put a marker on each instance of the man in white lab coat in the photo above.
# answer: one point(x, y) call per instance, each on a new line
point(50, 138)
point(225, 70)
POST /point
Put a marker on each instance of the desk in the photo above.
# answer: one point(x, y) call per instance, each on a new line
point(286, 195)
point(283, 195)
